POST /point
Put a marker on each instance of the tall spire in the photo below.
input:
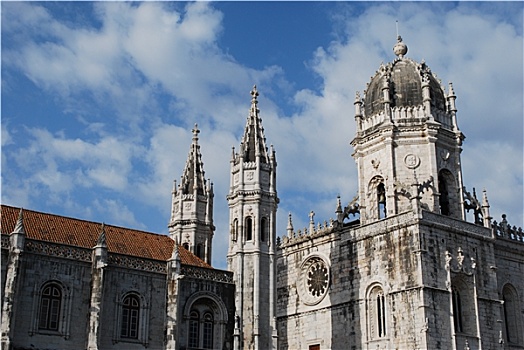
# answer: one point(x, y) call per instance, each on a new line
point(191, 221)
point(193, 178)
point(253, 143)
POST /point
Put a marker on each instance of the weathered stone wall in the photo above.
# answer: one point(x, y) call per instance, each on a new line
point(219, 295)
point(414, 260)
point(151, 289)
point(74, 276)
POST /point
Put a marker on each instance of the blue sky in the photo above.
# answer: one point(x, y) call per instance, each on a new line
point(99, 99)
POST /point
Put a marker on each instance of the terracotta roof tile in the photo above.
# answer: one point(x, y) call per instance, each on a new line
point(82, 233)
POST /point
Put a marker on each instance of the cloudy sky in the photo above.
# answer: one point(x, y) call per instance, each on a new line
point(99, 99)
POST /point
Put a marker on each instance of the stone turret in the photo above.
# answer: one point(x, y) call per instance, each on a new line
point(407, 131)
point(253, 204)
point(191, 221)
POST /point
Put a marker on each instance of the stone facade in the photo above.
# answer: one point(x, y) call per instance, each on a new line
point(398, 267)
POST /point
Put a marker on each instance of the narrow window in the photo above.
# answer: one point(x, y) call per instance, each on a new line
point(234, 233)
point(193, 329)
point(457, 310)
point(377, 313)
point(200, 251)
point(130, 317)
point(208, 331)
point(263, 230)
point(50, 304)
point(444, 195)
point(186, 246)
point(381, 315)
point(381, 200)
point(511, 316)
point(249, 228)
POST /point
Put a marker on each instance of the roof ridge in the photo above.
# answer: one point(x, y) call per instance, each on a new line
point(84, 220)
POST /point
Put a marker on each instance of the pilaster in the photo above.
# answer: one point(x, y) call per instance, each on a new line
point(99, 262)
point(16, 249)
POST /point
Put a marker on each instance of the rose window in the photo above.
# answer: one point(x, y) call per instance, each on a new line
point(317, 279)
point(314, 280)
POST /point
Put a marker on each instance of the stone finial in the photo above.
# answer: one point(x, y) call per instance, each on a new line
point(254, 94)
point(19, 227)
point(289, 226)
point(400, 49)
point(102, 241)
point(195, 132)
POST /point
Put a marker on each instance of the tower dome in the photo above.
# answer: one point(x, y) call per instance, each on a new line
point(400, 84)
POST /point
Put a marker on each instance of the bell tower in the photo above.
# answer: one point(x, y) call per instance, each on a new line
point(253, 202)
point(191, 223)
point(407, 145)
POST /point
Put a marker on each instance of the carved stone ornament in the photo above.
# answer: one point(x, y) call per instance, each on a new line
point(411, 160)
point(314, 280)
point(460, 264)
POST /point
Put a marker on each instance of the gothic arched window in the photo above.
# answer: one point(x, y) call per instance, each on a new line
point(50, 306)
point(130, 317)
point(444, 195)
point(249, 228)
point(377, 313)
point(511, 315)
point(381, 201)
point(263, 229)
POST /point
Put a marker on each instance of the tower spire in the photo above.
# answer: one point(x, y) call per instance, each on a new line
point(253, 202)
point(191, 221)
point(253, 143)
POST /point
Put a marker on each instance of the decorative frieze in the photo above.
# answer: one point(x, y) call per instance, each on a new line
point(58, 250)
point(137, 263)
point(207, 274)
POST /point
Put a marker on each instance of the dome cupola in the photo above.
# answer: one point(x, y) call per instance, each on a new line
point(407, 144)
point(406, 89)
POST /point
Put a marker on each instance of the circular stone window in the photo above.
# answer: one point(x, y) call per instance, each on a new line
point(314, 280)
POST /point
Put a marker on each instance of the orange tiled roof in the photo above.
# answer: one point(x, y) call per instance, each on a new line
point(82, 233)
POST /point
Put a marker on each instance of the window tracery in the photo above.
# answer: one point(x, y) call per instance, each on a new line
point(314, 280)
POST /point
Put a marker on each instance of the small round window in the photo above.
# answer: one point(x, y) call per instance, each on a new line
point(314, 280)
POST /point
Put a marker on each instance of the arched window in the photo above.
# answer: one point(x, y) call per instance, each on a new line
point(444, 195)
point(194, 329)
point(381, 315)
point(249, 228)
point(200, 251)
point(50, 306)
point(381, 201)
point(186, 246)
point(130, 317)
point(377, 313)
point(457, 309)
point(263, 230)
point(205, 320)
point(208, 331)
point(511, 315)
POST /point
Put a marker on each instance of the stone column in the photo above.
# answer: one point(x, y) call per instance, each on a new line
point(173, 285)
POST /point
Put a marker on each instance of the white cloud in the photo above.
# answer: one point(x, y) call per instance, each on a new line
point(147, 72)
